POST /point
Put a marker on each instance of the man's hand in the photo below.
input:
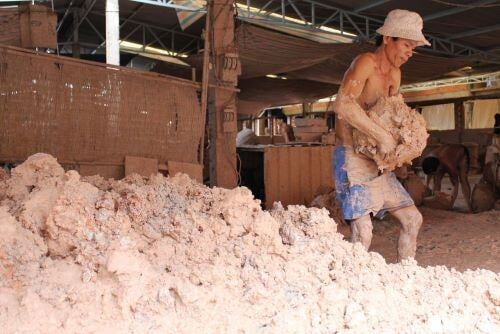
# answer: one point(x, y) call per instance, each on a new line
point(401, 172)
point(387, 144)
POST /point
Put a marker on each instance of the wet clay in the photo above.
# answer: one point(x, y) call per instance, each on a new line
point(168, 255)
point(407, 127)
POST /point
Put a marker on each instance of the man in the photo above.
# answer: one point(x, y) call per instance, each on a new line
point(451, 159)
point(494, 149)
point(360, 190)
point(491, 170)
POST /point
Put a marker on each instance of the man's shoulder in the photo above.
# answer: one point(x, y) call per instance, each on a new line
point(366, 59)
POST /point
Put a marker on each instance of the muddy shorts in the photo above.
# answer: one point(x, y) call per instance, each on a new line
point(360, 190)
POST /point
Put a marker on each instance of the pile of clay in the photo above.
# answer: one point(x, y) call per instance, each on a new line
point(168, 255)
point(407, 127)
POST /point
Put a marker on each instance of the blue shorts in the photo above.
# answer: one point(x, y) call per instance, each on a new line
point(359, 188)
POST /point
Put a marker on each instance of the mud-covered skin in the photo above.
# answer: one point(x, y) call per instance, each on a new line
point(370, 77)
point(404, 124)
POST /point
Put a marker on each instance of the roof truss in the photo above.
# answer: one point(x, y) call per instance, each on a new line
point(348, 22)
point(458, 9)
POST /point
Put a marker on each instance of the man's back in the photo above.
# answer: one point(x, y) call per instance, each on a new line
point(454, 158)
point(451, 159)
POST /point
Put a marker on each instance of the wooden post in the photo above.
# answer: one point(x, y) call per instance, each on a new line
point(459, 119)
point(222, 115)
point(75, 48)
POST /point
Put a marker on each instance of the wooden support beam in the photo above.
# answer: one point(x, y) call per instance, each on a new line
point(222, 101)
point(459, 119)
point(75, 48)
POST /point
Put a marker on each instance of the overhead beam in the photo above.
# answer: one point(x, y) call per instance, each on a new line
point(475, 32)
point(66, 13)
point(132, 15)
point(86, 7)
point(458, 9)
point(468, 80)
point(171, 4)
point(181, 33)
point(136, 25)
point(98, 33)
point(347, 23)
point(370, 6)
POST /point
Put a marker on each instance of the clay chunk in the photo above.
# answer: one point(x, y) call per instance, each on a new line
point(407, 127)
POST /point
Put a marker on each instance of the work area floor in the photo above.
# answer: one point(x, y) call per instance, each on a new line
point(451, 238)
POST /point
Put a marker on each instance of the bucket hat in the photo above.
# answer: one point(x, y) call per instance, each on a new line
point(404, 24)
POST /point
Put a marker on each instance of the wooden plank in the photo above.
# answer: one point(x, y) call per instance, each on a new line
point(308, 137)
point(194, 171)
point(326, 167)
point(106, 171)
point(305, 122)
point(271, 178)
point(283, 175)
point(141, 166)
point(310, 129)
point(435, 91)
point(305, 175)
point(263, 140)
point(315, 169)
point(294, 179)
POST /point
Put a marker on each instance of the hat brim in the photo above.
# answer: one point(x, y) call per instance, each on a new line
point(419, 38)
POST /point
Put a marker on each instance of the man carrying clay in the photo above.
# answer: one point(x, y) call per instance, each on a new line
point(361, 190)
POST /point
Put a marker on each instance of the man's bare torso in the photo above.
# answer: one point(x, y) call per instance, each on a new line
point(378, 85)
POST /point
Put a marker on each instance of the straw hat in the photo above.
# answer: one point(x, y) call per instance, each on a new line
point(405, 24)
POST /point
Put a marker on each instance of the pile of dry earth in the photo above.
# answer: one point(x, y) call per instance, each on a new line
point(168, 255)
point(406, 126)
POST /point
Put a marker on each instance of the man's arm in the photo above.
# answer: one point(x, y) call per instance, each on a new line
point(347, 107)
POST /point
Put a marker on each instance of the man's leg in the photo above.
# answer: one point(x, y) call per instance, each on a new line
point(361, 229)
point(411, 220)
point(429, 179)
point(490, 154)
point(437, 178)
point(464, 181)
point(454, 194)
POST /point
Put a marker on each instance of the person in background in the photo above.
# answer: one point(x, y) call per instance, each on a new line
point(451, 159)
point(493, 149)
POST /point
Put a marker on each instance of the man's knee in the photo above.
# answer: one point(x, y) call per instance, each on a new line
point(363, 224)
point(412, 220)
point(362, 231)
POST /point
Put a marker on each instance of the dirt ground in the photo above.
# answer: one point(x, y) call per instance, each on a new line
point(451, 238)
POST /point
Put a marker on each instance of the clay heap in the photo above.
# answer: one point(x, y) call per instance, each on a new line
point(407, 127)
point(168, 255)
